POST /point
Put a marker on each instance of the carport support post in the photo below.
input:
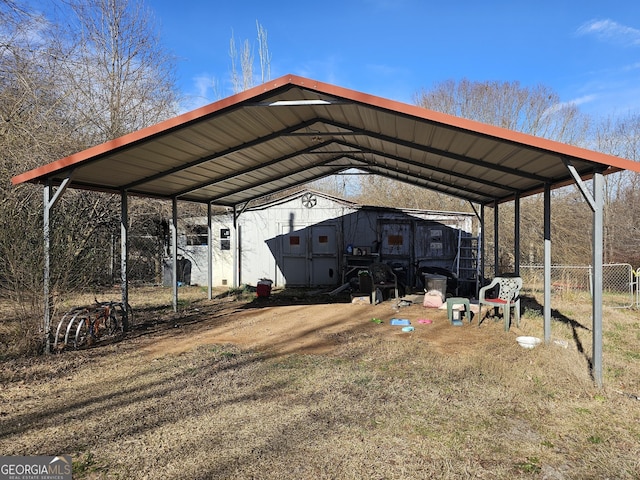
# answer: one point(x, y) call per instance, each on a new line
point(174, 251)
point(596, 203)
point(516, 235)
point(47, 272)
point(124, 255)
point(547, 264)
point(496, 242)
point(236, 266)
point(483, 250)
point(209, 253)
point(598, 235)
point(49, 202)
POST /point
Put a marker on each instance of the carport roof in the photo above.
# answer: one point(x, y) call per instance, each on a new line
point(294, 130)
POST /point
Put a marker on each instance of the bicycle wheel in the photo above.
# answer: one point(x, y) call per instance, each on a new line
point(112, 324)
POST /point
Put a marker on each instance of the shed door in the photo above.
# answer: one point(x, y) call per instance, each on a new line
point(324, 255)
point(309, 255)
point(294, 262)
point(436, 242)
point(396, 239)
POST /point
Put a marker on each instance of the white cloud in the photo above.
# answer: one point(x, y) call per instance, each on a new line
point(203, 90)
point(585, 99)
point(631, 67)
point(611, 31)
point(582, 100)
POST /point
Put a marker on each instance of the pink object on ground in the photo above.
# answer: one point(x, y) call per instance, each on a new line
point(425, 320)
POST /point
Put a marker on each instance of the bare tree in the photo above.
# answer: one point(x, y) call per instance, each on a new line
point(533, 110)
point(242, 63)
point(89, 72)
point(265, 55)
point(621, 136)
point(119, 77)
point(246, 60)
point(235, 76)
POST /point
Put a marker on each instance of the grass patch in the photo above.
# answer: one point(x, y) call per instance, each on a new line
point(531, 465)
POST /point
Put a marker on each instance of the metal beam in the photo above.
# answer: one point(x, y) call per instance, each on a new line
point(581, 185)
point(124, 255)
point(258, 183)
point(596, 203)
point(209, 253)
point(174, 252)
point(598, 193)
point(276, 190)
point(516, 234)
point(442, 153)
point(217, 155)
point(440, 185)
point(496, 239)
point(547, 264)
point(235, 248)
point(49, 201)
point(251, 170)
point(431, 168)
point(483, 251)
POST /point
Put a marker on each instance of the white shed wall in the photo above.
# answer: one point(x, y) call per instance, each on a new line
point(266, 244)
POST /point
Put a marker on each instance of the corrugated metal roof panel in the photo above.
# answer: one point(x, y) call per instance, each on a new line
point(293, 130)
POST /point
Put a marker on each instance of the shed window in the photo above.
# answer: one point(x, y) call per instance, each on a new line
point(323, 239)
point(294, 240)
point(395, 240)
point(197, 235)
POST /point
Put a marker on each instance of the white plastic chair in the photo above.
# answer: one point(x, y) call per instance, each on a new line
point(508, 296)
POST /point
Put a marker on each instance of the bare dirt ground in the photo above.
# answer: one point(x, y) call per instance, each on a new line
point(280, 330)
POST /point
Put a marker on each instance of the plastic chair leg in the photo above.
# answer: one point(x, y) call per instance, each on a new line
point(506, 313)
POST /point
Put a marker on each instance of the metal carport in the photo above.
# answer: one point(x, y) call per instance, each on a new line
point(293, 130)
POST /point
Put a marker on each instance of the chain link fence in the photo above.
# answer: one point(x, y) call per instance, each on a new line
point(619, 282)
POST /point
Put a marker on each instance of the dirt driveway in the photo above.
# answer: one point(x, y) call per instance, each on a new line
point(314, 328)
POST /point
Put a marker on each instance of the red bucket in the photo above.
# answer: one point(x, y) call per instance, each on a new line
point(264, 288)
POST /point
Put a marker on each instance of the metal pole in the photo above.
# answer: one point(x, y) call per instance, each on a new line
point(49, 202)
point(598, 236)
point(496, 242)
point(516, 235)
point(482, 249)
point(46, 326)
point(124, 255)
point(174, 251)
point(547, 264)
point(209, 254)
point(235, 248)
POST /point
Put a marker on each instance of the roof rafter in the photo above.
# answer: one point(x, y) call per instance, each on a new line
point(433, 168)
point(245, 171)
point(396, 174)
point(213, 156)
point(272, 179)
point(453, 156)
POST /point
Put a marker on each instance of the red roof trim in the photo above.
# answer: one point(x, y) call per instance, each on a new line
point(328, 89)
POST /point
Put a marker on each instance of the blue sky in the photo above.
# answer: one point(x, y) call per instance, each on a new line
point(587, 51)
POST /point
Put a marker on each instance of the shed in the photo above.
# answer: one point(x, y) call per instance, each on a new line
point(312, 239)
